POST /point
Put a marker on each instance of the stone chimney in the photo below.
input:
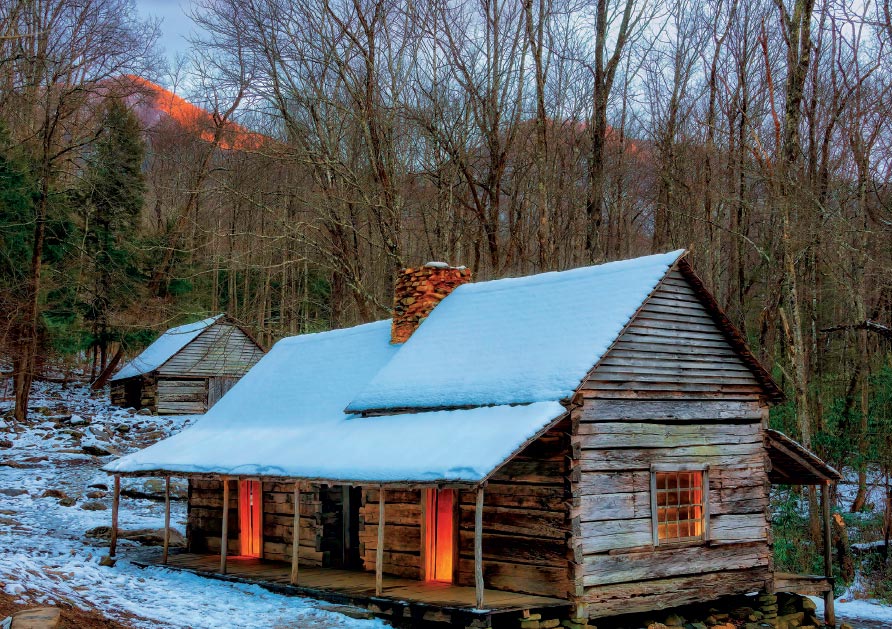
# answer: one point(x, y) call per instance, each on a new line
point(418, 291)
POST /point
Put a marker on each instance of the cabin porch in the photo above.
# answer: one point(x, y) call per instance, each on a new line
point(792, 464)
point(407, 599)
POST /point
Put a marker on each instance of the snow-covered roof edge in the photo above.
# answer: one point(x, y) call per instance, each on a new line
point(164, 348)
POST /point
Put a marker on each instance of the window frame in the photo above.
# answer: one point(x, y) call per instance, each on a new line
point(687, 541)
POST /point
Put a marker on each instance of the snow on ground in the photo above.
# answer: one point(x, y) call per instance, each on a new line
point(45, 557)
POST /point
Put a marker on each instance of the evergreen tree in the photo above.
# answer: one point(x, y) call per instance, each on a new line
point(114, 189)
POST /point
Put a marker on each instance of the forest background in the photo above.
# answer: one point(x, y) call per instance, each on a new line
point(340, 140)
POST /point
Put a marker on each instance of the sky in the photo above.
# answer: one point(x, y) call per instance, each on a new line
point(175, 24)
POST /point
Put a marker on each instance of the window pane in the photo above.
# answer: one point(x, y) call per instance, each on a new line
point(679, 502)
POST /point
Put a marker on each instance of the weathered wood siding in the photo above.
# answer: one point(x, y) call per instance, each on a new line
point(221, 350)
point(402, 531)
point(526, 522)
point(670, 391)
point(145, 391)
point(179, 396)
point(205, 519)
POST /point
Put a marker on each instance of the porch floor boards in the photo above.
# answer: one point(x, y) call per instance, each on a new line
point(356, 585)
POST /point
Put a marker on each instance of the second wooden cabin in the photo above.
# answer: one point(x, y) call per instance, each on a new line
point(187, 369)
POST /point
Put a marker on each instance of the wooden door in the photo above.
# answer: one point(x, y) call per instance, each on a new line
point(439, 534)
point(250, 517)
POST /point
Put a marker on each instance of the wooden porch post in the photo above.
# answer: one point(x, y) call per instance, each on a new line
point(116, 500)
point(295, 535)
point(224, 534)
point(379, 551)
point(478, 548)
point(829, 611)
point(166, 520)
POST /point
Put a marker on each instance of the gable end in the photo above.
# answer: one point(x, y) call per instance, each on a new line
point(680, 344)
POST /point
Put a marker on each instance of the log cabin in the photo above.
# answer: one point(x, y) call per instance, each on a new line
point(575, 444)
point(186, 369)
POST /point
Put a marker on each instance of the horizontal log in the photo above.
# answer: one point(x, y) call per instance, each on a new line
point(632, 459)
point(667, 561)
point(528, 522)
point(527, 579)
point(602, 536)
point(625, 506)
point(655, 594)
point(670, 410)
point(498, 547)
point(612, 483)
point(648, 435)
point(737, 528)
point(661, 394)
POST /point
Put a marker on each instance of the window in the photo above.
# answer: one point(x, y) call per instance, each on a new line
point(680, 510)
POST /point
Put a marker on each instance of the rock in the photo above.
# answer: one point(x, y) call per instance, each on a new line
point(101, 486)
point(844, 625)
point(94, 505)
point(576, 623)
point(529, 624)
point(697, 625)
point(122, 428)
point(67, 502)
point(97, 450)
point(5, 443)
point(77, 420)
point(54, 493)
point(95, 495)
point(674, 620)
point(550, 624)
point(146, 537)
point(12, 493)
point(37, 618)
point(656, 625)
point(71, 432)
point(144, 411)
point(107, 561)
point(808, 604)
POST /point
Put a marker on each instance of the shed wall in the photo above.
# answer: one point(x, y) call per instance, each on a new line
point(670, 392)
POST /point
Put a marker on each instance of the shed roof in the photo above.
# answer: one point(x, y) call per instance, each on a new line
point(794, 464)
point(164, 348)
point(285, 419)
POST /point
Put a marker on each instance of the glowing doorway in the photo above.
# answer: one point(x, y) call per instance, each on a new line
point(439, 534)
point(250, 518)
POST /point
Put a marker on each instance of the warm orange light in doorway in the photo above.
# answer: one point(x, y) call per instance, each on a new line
point(439, 510)
point(250, 518)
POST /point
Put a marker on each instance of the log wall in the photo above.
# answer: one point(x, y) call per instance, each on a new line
point(671, 391)
point(402, 531)
point(178, 396)
point(526, 523)
point(205, 519)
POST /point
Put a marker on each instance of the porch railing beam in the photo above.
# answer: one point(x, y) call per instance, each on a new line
point(478, 548)
point(224, 533)
point(379, 551)
point(295, 535)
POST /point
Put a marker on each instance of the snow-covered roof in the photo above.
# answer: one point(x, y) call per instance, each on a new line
point(164, 347)
point(285, 418)
point(515, 341)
